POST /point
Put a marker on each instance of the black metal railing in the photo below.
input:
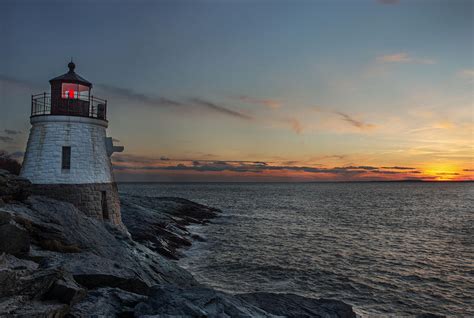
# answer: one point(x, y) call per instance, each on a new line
point(92, 107)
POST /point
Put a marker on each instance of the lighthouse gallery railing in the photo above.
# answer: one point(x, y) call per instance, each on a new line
point(97, 107)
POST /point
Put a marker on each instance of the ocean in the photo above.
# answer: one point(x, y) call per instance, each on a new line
point(388, 249)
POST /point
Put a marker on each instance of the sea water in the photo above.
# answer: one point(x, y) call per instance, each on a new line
point(385, 248)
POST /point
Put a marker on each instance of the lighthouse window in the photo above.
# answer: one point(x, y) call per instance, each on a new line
point(74, 91)
point(66, 158)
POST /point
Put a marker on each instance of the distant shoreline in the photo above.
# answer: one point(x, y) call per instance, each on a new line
point(302, 182)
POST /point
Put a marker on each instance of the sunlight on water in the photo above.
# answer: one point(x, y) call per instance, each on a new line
point(385, 248)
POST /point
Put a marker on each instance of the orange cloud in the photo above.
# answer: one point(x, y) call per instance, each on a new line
point(295, 125)
point(403, 57)
point(269, 103)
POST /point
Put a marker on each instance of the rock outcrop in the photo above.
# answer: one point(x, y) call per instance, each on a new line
point(166, 219)
point(57, 262)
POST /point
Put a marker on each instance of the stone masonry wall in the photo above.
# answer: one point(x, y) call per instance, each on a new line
point(87, 198)
point(90, 162)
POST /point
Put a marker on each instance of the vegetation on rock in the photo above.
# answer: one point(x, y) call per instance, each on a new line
point(8, 163)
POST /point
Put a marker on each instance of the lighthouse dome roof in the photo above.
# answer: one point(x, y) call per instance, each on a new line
point(71, 77)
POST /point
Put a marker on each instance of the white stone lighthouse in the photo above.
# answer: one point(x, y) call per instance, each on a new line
point(68, 151)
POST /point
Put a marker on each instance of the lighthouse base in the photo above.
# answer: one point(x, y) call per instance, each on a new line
point(98, 200)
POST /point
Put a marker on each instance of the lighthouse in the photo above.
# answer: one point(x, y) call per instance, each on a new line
point(68, 152)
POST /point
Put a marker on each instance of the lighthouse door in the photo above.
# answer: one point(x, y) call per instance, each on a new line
point(105, 211)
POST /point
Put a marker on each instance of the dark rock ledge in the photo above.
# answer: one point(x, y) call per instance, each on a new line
point(56, 262)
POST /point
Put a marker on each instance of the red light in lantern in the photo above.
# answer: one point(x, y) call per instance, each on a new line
point(71, 94)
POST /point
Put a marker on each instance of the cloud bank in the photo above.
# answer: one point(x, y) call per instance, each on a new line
point(132, 164)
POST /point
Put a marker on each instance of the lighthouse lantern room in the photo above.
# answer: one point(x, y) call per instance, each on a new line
point(68, 151)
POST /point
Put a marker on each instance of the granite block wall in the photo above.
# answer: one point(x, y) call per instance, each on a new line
point(88, 198)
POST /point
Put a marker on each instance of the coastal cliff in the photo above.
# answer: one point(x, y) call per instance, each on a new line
point(57, 262)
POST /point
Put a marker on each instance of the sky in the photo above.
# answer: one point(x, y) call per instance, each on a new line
point(258, 90)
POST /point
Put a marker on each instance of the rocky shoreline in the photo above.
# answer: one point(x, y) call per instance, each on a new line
point(57, 262)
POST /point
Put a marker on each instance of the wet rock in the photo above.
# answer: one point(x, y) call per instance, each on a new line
point(107, 302)
point(290, 305)
point(167, 301)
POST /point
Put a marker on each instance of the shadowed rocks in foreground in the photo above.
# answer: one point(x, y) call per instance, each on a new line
point(57, 262)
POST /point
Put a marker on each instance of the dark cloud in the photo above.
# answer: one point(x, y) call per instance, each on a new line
point(258, 167)
point(6, 139)
point(12, 132)
point(145, 159)
point(468, 170)
point(398, 168)
point(130, 162)
point(132, 158)
point(334, 156)
point(140, 97)
point(448, 174)
point(354, 122)
point(219, 108)
point(359, 168)
point(164, 102)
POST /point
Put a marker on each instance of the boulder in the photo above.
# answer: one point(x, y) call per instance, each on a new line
point(66, 290)
point(291, 305)
point(92, 271)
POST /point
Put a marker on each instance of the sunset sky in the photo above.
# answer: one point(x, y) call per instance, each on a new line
point(257, 90)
